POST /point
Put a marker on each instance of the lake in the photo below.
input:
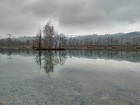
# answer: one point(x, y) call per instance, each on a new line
point(71, 77)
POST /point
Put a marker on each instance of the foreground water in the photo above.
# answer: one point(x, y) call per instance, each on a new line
point(83, 77)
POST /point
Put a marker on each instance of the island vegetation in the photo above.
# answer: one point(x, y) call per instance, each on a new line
point(49, 39)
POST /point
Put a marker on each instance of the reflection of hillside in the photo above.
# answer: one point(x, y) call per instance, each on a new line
point(133, 56)
point(59, 57)
point(22, 52)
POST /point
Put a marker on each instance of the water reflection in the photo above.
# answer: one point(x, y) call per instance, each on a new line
point(21, 52)
point(48, 60)
point(38, 58)
point(9, 54)
point(87, 77)
point(132, 56)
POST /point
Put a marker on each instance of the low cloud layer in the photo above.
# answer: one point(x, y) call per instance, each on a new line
point(24, 17)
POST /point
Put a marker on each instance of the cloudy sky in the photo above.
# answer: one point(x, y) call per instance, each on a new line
point(71, 17)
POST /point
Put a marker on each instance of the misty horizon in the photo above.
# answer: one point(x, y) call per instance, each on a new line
point(122, 33)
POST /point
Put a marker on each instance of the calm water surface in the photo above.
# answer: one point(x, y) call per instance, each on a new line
point(69, 77)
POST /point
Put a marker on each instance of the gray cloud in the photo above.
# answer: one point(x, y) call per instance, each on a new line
point(13, 18)
point(73, 16)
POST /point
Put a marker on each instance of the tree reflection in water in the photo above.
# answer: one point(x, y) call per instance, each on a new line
point(38, 58)
point(49, 60)
point(9, 54)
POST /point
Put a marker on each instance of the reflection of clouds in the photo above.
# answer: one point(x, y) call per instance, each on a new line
point(102, 65)
point(133, 56)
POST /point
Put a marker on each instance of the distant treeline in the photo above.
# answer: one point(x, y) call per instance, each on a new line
point(132, 38)
point(49, 38)
point(9, 42)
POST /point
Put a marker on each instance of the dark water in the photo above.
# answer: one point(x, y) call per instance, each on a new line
point(83, 77)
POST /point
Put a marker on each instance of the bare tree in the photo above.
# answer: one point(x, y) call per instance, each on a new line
point(38, 40)
point(56, 40)
point(48, 35)
point(9, 39)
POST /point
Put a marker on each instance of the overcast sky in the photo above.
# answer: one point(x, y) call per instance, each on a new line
point(71, 17)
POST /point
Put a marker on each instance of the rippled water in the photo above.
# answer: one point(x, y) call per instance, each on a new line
point(82, 77)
